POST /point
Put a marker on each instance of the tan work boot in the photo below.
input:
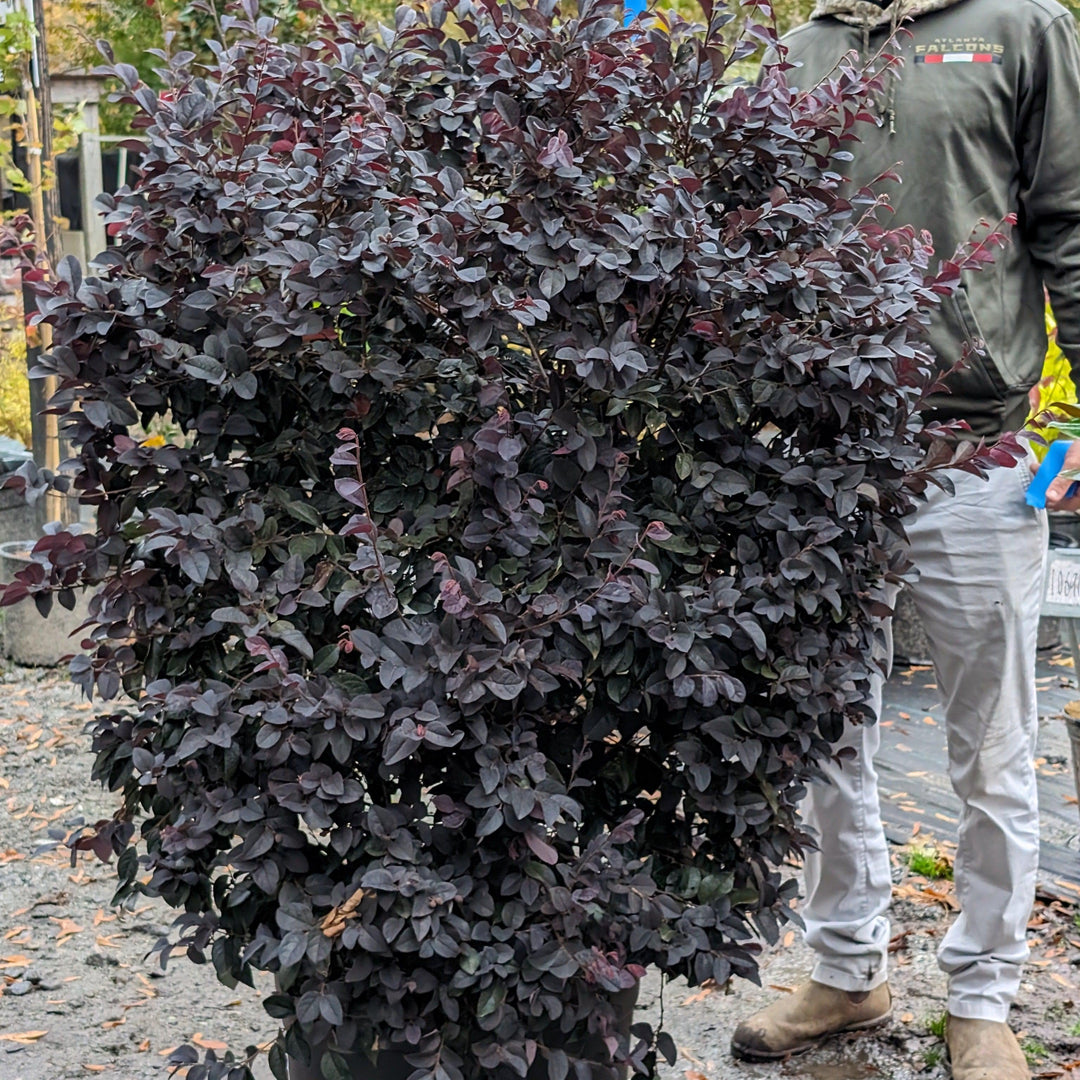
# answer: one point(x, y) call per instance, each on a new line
point(984, 1050)
point(800, 1021)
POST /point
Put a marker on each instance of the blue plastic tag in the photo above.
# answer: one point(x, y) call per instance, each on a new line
point(1048, 470)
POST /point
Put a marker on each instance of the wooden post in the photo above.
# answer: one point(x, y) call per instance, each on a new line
point(92, 184)
point(82, 89)
point(51, 193)
point(43, 206)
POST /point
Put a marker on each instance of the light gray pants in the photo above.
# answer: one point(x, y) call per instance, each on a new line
point(980, 556)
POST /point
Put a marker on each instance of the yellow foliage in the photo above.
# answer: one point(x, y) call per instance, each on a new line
point(14, 390)
point(1056, 384)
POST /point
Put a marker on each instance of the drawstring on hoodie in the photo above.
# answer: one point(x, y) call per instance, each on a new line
point(896, 14)
point(894, 82)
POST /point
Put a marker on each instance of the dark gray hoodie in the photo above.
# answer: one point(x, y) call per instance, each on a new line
point(983, 120)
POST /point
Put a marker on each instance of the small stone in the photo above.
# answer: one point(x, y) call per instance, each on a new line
point(100, 960)
point(32, 976)
point(17, 989)
point(155, 930)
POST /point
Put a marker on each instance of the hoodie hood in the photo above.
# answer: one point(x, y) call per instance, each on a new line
point(866, 13)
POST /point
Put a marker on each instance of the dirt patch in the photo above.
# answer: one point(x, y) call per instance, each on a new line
point(79, 996)
point(851, 1070)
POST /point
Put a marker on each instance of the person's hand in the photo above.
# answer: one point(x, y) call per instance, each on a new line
point(1056, 493)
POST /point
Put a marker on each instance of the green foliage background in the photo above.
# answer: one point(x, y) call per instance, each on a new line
point(133, 27)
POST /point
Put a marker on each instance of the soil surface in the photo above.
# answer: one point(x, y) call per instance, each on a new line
point(79, 997)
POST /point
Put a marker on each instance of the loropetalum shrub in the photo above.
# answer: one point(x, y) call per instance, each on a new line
point(549, 420)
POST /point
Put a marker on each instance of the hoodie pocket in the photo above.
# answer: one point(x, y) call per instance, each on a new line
point(979, 378)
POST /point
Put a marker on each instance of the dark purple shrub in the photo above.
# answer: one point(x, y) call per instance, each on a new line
point(545, 416)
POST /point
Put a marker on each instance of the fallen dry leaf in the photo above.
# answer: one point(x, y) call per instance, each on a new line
point(899, 941)
point(707, 988)
point(22, 1036)
point(334, 922)
point(68, 928)
point(108, 1025)
point(927, 895)
point(208, 1044)
point(144, 1046)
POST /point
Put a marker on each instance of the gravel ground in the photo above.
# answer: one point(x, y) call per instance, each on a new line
point(79, 997)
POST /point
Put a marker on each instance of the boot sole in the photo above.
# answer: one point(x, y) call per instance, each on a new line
point(752, 1054)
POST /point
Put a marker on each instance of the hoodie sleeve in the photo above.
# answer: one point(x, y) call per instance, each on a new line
point(1049, 156)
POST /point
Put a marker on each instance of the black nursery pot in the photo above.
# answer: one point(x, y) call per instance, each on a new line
point(391, 1065)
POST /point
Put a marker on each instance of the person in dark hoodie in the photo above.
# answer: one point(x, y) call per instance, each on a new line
point(981, 120)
